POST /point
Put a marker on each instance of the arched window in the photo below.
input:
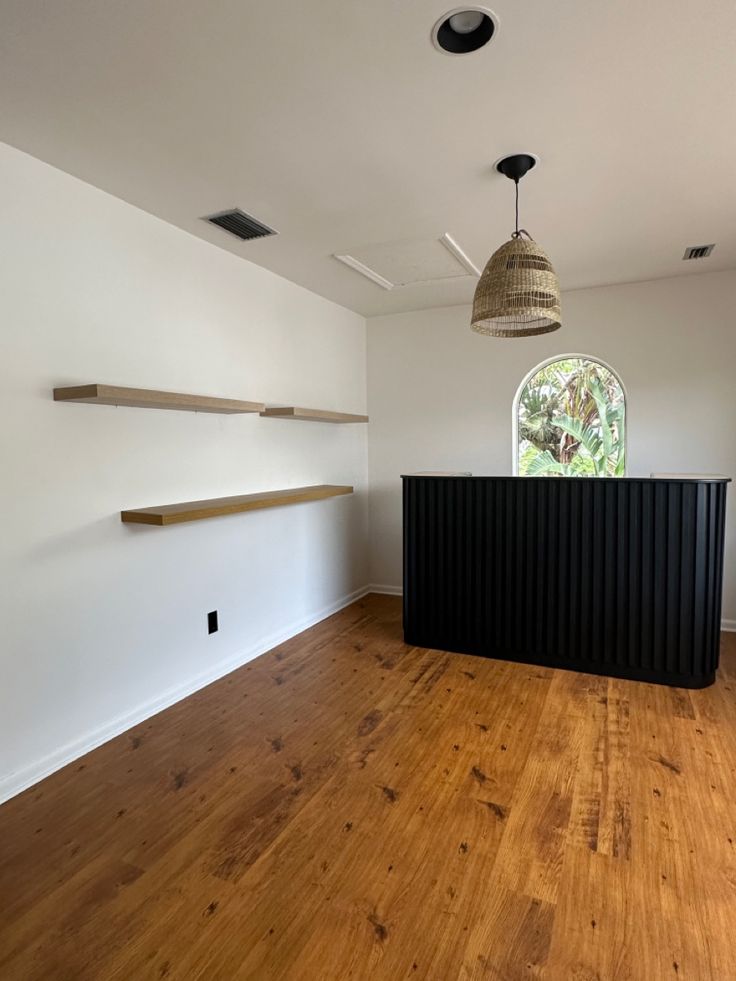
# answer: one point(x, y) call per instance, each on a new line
point(570, 420)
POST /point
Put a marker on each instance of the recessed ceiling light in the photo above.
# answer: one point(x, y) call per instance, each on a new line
point(464, 29)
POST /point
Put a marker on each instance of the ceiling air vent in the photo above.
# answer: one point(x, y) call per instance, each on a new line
point(698, 251)
point(239, 224)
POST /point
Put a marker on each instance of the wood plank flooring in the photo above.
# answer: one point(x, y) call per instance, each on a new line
point(347, 807)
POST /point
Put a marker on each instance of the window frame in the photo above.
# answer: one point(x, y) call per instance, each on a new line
point(528, 377)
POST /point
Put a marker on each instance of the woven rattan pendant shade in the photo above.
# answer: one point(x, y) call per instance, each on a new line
point(518, 294)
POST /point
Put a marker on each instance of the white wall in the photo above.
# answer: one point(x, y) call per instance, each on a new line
point(104, 623)
point(440, 395)
point(101, 622)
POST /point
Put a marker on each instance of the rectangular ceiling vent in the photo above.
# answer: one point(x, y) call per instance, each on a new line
point(698, 251)
point(239, 224)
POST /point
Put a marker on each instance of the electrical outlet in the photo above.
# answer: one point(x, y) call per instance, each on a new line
point(212, 625)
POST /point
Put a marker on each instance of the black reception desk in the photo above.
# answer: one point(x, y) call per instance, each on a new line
point(614, 576)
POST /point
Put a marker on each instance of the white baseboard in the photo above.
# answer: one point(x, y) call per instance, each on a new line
point(729, 625)
point(15, 783)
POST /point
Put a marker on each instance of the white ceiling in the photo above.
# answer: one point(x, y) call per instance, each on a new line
point(337, 123)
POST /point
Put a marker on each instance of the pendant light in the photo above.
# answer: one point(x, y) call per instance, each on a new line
point(518, 294)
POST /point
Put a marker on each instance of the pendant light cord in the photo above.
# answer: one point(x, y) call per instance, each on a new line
point(519, 231)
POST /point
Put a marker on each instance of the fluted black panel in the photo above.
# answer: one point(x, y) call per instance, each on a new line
point(612, 576)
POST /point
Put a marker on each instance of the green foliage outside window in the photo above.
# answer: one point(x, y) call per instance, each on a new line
point(571, 421)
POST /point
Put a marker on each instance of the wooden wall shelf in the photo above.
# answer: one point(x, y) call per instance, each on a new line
point(145, 398)
point(311, 415)
point(171, 514)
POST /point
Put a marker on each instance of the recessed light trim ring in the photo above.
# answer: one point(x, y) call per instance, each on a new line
point(460, 36)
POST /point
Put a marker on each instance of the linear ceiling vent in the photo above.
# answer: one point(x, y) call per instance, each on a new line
point(698, 251)
point(239, 224)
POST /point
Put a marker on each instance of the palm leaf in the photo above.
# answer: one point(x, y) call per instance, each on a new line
point(585, 435)
point(596, 390)
point(545, 463)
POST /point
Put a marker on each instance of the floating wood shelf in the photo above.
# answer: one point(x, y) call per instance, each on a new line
point(145, 398)
point(311, 415)
point(171, 514)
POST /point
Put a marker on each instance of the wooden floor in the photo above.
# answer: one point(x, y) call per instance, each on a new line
point(349, 807)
